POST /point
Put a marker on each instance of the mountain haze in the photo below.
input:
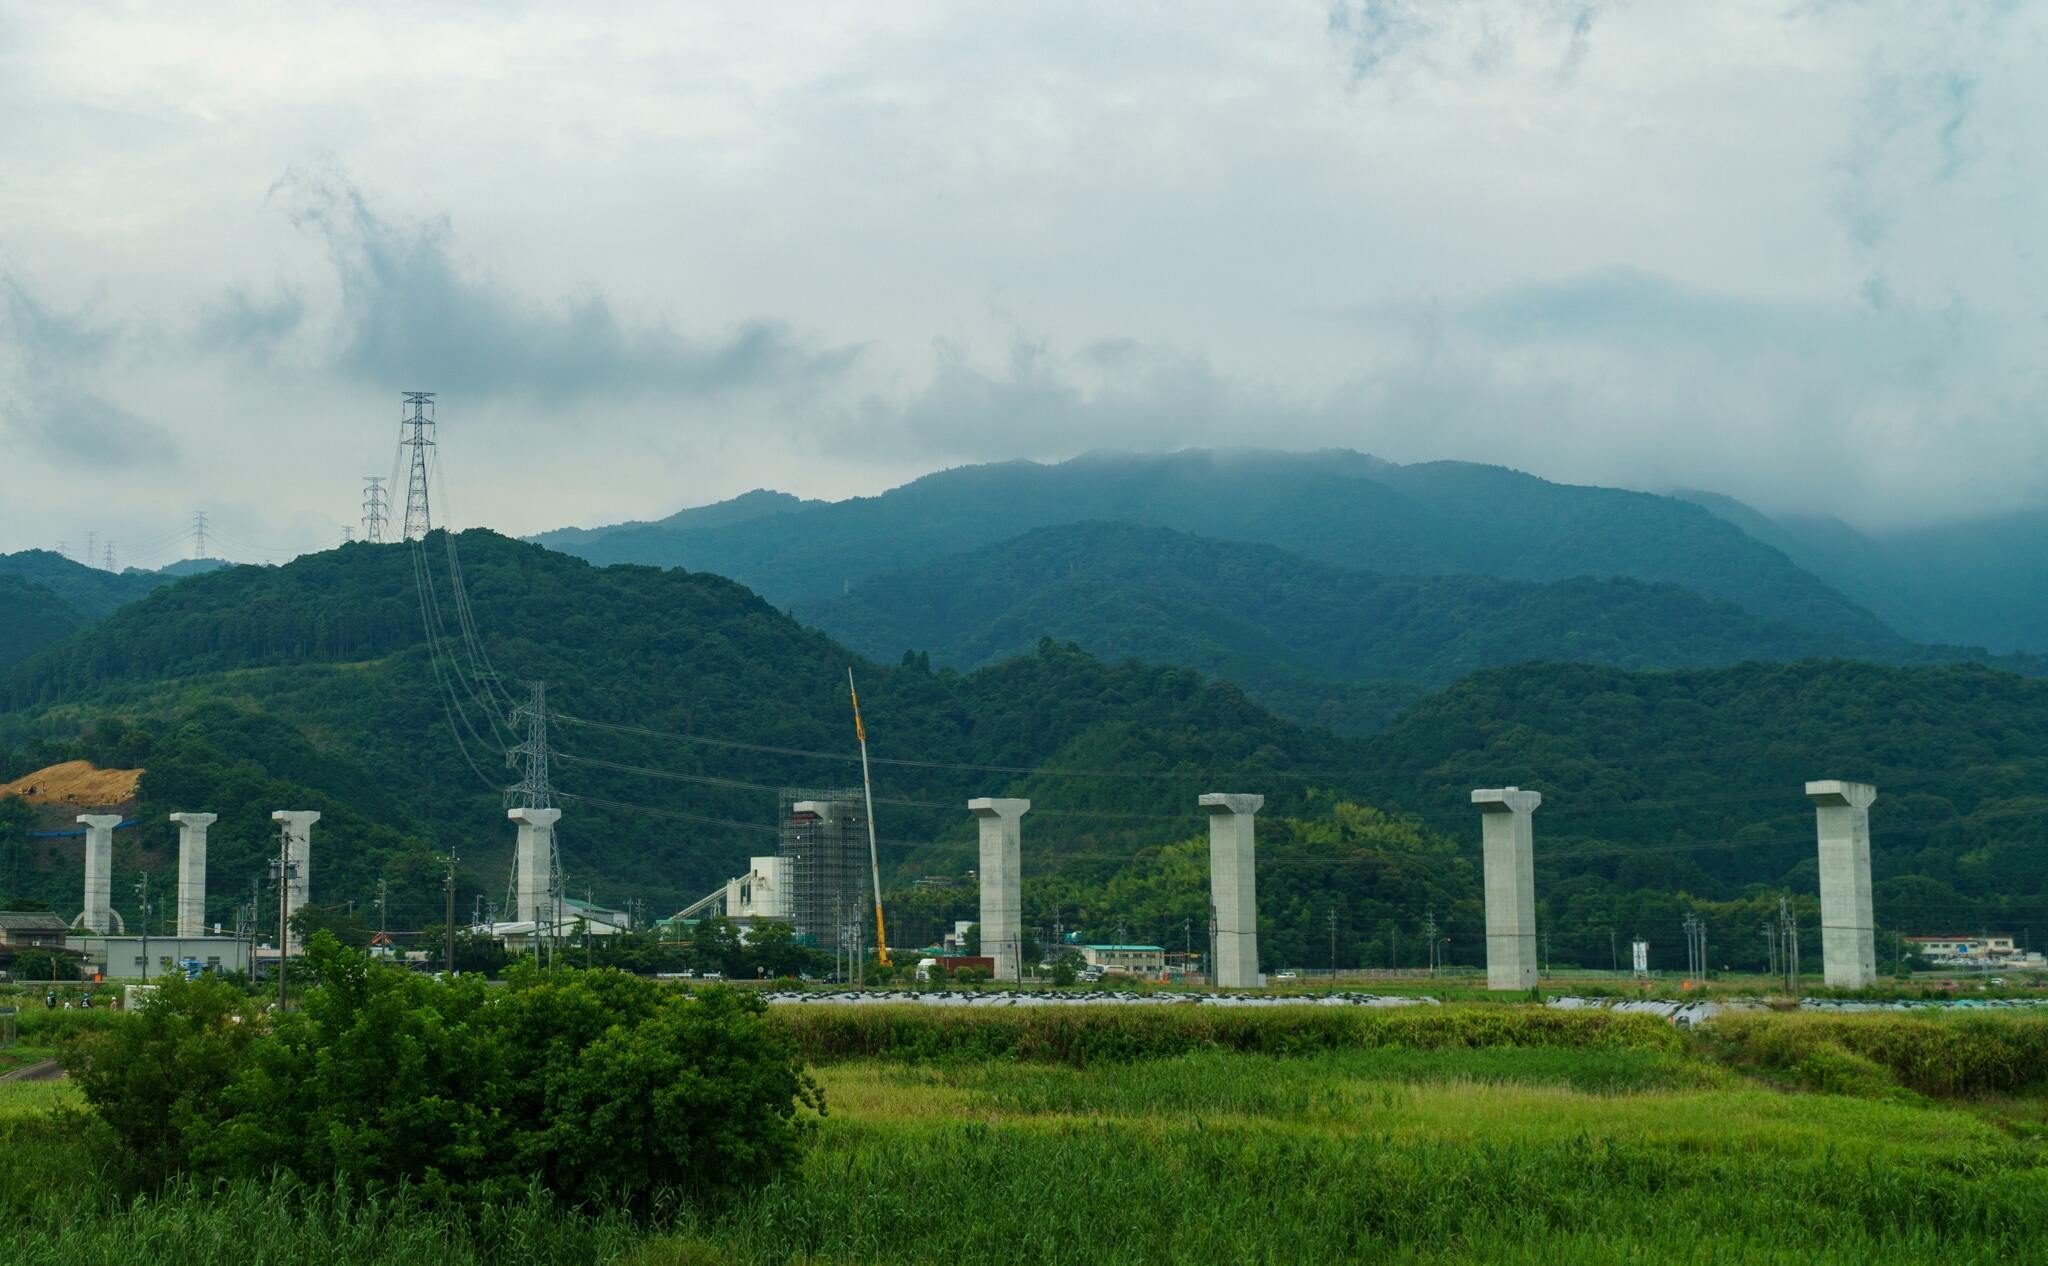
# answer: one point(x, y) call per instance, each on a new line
point(1978, 582)
point(1338, 508)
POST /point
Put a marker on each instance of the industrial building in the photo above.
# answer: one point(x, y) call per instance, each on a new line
point(134, 957)
point(1133, 960)
point(824, 847)
point(1973, 951)
point(573, 918)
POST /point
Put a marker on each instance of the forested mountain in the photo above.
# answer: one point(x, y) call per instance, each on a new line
point(1692, 782)
point(33, 616)
point(1325, 645)
point(1983, 582)
point(758, 504)
point(91, 590)
point(312, 686)
point(1338, 508)
point(45, 597)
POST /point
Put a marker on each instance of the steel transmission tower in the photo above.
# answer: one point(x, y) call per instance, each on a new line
point(415, 430)
point(530, 757)
point(376, 510)
point(199, 534)
point(110, 556)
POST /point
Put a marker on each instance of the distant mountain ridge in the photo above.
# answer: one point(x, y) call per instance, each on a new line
point(1321, 644)
point(1981, 582)
point(1335, 507)
point(758, 504)
point(45, 597)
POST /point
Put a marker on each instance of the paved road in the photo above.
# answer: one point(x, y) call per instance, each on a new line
point(45, 1070)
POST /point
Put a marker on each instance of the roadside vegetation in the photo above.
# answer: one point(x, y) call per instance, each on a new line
point(206, 1129)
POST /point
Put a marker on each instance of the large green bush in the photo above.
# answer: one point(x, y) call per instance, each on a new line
point(598, 1085)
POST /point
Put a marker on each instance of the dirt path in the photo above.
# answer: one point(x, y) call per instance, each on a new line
point(45, 1070)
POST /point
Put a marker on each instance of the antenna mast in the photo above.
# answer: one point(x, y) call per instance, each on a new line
point(867, 788)
point(415, 430)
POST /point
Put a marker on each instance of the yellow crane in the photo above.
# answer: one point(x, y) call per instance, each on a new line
point(867, 788)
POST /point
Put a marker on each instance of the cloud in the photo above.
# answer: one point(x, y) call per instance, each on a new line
point(1398, 40)
point(1040, 401)
point(1613, 376)
point(47, 361)
point(411, 313)
point(239, 322)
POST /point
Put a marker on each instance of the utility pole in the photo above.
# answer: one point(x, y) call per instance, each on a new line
point(142, 895)
point(448, 891)
point(1396, 934)
point(284, 870)
point(414, 431)
point(380, 907)
point(1613, 954)
point(1788, 954)
point(1332, 921)
point(1546, 953)
point(1429, 929)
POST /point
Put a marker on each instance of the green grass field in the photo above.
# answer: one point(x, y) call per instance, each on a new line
point(1433, 1139)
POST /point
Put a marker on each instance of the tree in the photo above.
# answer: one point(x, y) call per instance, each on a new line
point(1066, 968)
point(31, 965)
point(336, 920)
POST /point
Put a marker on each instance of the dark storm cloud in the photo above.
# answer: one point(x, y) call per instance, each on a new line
point(411, 313)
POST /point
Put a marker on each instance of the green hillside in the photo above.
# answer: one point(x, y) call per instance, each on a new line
point(91, 590)
point(1338, 508)
point(1692, 782)
point(1322, 644)
point(310, 685)
point(1981, 582)
point(33, 616)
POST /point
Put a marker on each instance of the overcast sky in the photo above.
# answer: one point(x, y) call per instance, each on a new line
point(1786, 250)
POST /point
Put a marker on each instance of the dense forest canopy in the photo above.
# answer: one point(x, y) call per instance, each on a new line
point(1335, 507)
point(1322, 644)
point(314, 686)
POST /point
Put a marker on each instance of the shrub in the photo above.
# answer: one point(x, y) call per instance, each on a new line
point(597, 1084)
point(159, 1076)
point(1081, 1034)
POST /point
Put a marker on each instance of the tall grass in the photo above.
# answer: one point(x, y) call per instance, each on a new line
point(1086, 1035)
point(1957, 1054)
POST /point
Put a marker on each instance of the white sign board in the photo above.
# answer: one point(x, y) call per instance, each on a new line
point(1641, 950)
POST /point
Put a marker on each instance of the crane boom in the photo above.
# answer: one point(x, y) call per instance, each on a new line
point(867, 788)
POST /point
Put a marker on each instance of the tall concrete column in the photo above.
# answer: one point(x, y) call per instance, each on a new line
point(192, 871)
point(98, 915)
point(534, 863)
point(298, 889)
point(1002, 882)
point(1233, 891)
point(1508, 835)
point(1848, 927)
